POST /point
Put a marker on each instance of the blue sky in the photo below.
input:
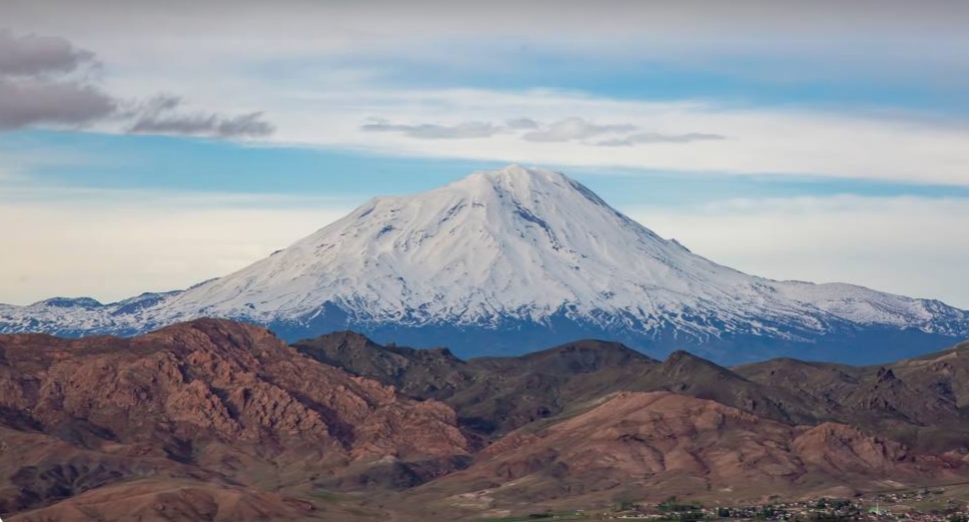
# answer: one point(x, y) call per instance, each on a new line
point(173, 164)
point(794, 143)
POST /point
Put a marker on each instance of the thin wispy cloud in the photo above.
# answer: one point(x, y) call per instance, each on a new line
point(430, 131)
point(161, 117)
point(571, 129)
point(680, 135)
point(656, 137)
point(220, 68)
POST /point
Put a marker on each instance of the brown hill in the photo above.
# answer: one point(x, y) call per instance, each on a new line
point(647, 446)
point(209, 400)
point(496, 395)
point(214, 420)
point(433, 373)
point(491, 395)
point(922, 402)
point(174, 500)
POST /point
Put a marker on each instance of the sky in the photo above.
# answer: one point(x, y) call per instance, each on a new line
point(148, 146)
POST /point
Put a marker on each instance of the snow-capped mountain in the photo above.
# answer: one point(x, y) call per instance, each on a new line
point(518, 259)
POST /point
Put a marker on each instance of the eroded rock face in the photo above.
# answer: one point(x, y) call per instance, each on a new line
point(843, 448)
point(210, 399)
point(659, 439)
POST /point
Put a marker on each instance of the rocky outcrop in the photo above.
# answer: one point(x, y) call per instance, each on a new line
point(662, 443)
point(213, 400)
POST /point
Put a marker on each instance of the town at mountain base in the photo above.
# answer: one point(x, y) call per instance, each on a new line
point(510, 261)
point(216, 420)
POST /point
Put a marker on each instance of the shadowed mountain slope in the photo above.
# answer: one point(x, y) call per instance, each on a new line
point(919, 401)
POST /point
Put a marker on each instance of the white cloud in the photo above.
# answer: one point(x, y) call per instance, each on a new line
point(277, 57)
point(566, 130)
point(760, 140)
point(658, 137)
point(906, 245)
point(159, 115)
point(312, 68)
point(674, 29)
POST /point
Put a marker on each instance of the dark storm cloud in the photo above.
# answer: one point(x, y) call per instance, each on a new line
point(38, 87)
point(34, 88)
point(32, 55)
point(30, 101)
point(656, 137)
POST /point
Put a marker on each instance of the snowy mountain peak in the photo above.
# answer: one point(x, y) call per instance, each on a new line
point(513, 178)
point(513, 172)
point(521, 183)
point(502, 251)
point(517, 242)
point(524, 244)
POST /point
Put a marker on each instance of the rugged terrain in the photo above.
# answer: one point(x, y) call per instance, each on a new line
point(648, 446)
point(208, 416)
point(923, 402)
point(215, 420)
point(514, 260)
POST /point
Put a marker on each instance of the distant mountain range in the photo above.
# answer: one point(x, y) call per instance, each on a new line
point(213, 420)
point(509, 261)
point(922, 402)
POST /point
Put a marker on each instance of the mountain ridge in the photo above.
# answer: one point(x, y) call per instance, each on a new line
point(922, 402)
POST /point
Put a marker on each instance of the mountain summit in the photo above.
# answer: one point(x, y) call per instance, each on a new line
point(509, 260)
